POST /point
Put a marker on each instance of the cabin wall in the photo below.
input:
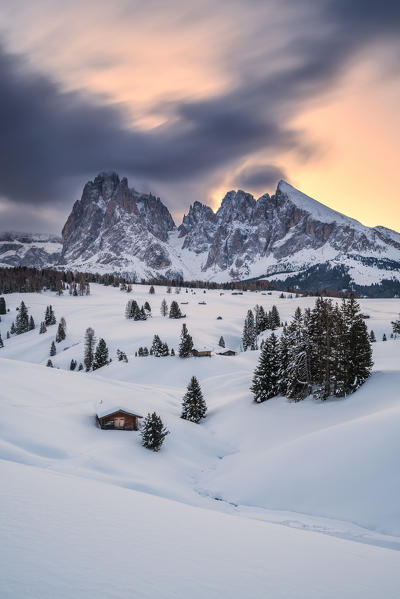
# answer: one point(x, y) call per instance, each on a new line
point(130, 422)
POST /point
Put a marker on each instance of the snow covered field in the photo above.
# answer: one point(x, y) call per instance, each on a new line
point(88, 513)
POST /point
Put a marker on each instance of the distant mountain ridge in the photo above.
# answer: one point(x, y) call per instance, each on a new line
point(114, 228)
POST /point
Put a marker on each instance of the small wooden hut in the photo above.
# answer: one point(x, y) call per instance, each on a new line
point(226, 352)
point(111, 417)
point(202, 353)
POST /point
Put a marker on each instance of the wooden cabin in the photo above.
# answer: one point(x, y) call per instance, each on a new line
point(113, 418)
point(226, 352)
point(202, 353)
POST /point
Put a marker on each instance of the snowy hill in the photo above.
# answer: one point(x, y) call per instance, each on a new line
point(199, 518)
point(285, 236)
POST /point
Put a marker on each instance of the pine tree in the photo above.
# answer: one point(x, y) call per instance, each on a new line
point(60, 336)
point(90, 341)
point(80, 366)
point(151, 290)
point(131, 309)
point(359, 352)
point(12, 329)
point(321, 333)
point(31, 325)
point(186, 343)
point(193, 405)
point(145, 352)
point(42, 328)
point(156, 346)
point(172, 351)
point(164, 308)
point(339, 353)
point(372, 337)
point(121, 355)
point(52, 316)
point(53, 350)
point(396, 327)
point(101, 355)
point(249, 338)
point(221, 342)
point(72, 365)
point(147, 308)
point(3, 308)
point(259, 319)
point(22, 320)
point(1, 342)
point(49, 363)
point(175, 311)
point(298, 376)
point(384, 338)
point(169, 289)
point(284, 358)
point(266, 376)
point(275, 318)
point(49, 317)
point(153, 432)
point(63, 324)
point(141, 314)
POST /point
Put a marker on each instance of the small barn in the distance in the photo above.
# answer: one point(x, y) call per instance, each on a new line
point(114, 417)
point(202, 353)
point(226, 352)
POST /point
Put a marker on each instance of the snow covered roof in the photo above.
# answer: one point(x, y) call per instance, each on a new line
point(107, 407)
point(204, 348)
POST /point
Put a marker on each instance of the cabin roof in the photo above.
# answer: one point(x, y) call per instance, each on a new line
point(107, 407)
point(222, 350)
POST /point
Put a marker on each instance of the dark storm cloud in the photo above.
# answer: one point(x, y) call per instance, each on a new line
point(48, 135)
point(50, 139)
point(259, 177)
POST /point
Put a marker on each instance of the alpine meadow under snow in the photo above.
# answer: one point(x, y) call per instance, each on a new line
point(242, 500)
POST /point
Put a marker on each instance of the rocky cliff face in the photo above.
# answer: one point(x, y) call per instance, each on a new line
point(114, 228)
point(278, 233)
point(27, 249)
point(112, 224)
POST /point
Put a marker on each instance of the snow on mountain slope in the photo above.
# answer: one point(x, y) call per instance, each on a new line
point(24, 249)
point(114, 228)
point(317, 211)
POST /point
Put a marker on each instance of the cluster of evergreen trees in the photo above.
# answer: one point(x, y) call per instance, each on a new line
point(133, 311)
point(122, 357)
point(325, 351)
point(23, 322)
point(256, 322)
point(95, 356)
point(159, 348)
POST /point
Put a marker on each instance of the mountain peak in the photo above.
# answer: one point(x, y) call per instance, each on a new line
point(318, 211)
